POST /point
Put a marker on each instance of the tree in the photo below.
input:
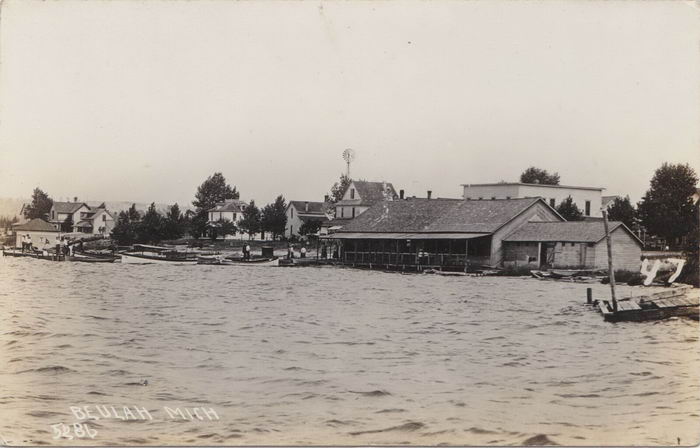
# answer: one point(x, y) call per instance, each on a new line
point(124, 232)
point(569, 211)
point(150, 229)
point(222, 228)
point(310, 227)
point(623, 210)
point(274, 217)
point(174, 223)
point(535, 175)
point(213, 190)
point(67, 225)
point(40, 206)
point(338, 189)
point(667, 210)
point(250, 223)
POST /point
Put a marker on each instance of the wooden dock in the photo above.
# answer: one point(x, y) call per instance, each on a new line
point(679, 301)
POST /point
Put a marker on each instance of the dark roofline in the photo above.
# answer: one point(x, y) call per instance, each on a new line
point(531, 185)
point(625, 228)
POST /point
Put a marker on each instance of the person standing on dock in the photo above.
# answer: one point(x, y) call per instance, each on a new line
point(246, 252)
point(303, 252)
point(24, 243)
point(29, 243)
point(58, 246)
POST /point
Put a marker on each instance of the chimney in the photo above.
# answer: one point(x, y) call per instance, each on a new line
point(75, 198)
point(430, 194)
point(400, 194)
point(306, 206)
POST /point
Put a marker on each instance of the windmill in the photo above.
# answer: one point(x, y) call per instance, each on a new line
point(348, 156)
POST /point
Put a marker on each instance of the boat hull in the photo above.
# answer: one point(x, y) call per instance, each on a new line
point(252, 262)
point(148, 259)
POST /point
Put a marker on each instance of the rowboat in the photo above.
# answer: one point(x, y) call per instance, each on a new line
point(145, 254)
point(263, 261)
point(90, 258)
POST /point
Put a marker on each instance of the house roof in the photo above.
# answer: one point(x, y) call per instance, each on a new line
point(68, 207)
point(315, 208)
point(229, 205)
point(36, 225)
point(370, 192)
point(439, 215)
point(498, 184)
point(571, 231)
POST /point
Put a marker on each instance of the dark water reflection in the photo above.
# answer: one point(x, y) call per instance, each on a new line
point(326, 355)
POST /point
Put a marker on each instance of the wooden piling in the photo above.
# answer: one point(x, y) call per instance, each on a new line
point(589, 295)
point(611, 271)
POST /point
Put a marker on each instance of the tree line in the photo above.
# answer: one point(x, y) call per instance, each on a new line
point(153, 227)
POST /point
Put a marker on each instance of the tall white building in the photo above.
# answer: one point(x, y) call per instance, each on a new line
point(587, 199)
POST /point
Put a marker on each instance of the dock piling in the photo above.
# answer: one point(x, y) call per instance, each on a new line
point(589, 296)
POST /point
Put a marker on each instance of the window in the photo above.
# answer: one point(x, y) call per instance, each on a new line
point(493, 197)
point(573, 244)
point(552, 202)
point(353, 212)
point(104, 218)
point(588, 208)
point(342, 212)
point(507, 197)
point(352, 193)
point(291, 210)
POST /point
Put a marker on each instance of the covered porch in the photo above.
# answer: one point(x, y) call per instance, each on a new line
point(414, 251)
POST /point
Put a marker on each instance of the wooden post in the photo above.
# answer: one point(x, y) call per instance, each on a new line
point(466, 255)
point(589, 296)
point(611, 271)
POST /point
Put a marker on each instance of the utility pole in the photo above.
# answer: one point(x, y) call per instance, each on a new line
point(611, 271)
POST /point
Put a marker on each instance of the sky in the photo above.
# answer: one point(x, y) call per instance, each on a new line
point(142, 100)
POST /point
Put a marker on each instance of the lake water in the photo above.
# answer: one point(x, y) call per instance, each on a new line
point(332, 356)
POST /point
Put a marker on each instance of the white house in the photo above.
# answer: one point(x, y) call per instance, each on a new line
point(587, 199)
point(230, 209)
point(97, 221)
point(361, 195)
point(300, 212)
point(63, 212)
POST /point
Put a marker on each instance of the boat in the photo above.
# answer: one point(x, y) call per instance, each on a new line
point(91, 258)
point(209, 259)
point(145, 254)
point(18, 253)
point(680, 301)
point(260, 261)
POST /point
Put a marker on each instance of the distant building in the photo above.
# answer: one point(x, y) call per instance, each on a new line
point(579, 245)
point(39, 230)
point(588, 199)
point(231, 210)
point(79, 217)
point(436, 233)
point(361, 195)
point(301, 212)
point(66, 215)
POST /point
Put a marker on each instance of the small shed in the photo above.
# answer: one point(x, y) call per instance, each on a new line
point(38, 229)
point(572, 245)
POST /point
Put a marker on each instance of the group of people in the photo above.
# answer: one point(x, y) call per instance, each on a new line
point(62, 245)
point(290, 252)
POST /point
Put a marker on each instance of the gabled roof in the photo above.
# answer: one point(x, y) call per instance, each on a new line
point(315, 208)
point(68, 207)
point(36, 225)
point(370, 193)
point(229, 205)
point(440, 215)
point(570, 232)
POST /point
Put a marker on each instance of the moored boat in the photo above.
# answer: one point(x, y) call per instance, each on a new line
point(262, 261)
point(89, 258)
point(145, 254)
